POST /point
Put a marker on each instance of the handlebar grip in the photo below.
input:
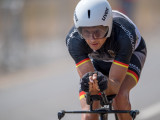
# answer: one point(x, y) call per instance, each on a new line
point(134, 113)
point(61, 114)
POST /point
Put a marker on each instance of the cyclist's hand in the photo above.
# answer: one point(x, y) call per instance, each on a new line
point(84, 82)
point(92, 79)
point(102, 81)
point(93, 85)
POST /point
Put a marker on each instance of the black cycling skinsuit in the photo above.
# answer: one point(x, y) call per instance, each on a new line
point(125, 47)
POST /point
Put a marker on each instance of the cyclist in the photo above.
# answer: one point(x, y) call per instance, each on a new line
point(108, 42)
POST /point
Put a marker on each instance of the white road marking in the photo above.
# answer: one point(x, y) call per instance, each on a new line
point(149, 112)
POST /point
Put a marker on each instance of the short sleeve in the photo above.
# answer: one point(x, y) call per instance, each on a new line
point(126, 44)
point(77, 47)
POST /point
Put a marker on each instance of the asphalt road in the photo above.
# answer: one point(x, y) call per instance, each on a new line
point(39, 93)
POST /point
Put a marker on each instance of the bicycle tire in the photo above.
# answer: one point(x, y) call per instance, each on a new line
point(116, 116)
point(104, 116)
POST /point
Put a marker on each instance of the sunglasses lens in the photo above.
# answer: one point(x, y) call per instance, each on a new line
point(95, 32)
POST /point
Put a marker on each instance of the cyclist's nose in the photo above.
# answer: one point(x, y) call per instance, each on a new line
point(91, 37)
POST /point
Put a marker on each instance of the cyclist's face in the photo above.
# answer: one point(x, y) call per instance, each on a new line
point(96, 44)
point(94, 36)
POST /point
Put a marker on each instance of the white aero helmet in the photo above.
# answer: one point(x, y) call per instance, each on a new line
point(90, 13)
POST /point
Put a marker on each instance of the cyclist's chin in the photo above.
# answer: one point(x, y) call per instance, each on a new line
point(95, 47)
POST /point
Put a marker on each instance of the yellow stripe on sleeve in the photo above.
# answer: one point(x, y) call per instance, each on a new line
point(82, 62)
point(120, 64)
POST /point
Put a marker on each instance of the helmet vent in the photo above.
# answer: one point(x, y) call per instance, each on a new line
point(89, 13)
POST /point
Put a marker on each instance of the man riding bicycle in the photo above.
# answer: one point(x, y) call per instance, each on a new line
point(108, 42)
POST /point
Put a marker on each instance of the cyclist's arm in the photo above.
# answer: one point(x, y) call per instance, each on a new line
point(121, 62)
point(84, 68)
point(78, 50)
point(116, 77)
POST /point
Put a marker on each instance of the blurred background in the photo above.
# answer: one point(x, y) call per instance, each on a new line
point(38, 77)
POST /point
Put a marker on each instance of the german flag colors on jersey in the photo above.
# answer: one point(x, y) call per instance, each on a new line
point(82, 62)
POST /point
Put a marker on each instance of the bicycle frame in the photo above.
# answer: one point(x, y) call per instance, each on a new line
point(106, 109)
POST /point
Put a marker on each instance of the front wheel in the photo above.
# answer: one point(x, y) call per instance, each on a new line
point(104, 116)
point(116, 116)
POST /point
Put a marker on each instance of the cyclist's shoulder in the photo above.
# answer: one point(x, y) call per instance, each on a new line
point(74, 37)
point(72, 34)
point(123, 28)
point(122, 21)
point(75, 42)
